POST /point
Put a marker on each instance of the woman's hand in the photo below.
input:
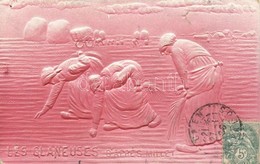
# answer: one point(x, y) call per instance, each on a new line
point(39, 114)
point(93, 132)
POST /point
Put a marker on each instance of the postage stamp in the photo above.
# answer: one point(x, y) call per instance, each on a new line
point(241, 144)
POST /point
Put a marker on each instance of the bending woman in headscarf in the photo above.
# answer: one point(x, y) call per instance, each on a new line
point(67, 71)
point(80, 98)
point(201, 76)
point(125, 103)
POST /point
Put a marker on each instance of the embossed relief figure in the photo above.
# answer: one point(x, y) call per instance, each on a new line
point(80, 98)
point(201, 77)
point(126, 105)
point(67, 71)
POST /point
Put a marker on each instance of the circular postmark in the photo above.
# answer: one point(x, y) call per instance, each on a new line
point(240, 145)
point(206, 123)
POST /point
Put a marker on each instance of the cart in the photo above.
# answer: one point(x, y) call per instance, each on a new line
point(82, 36)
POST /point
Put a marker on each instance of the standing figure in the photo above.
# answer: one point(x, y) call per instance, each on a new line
point(201, 77)
point(125, 103)
point(67, 71)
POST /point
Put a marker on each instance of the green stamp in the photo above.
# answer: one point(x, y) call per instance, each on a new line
point(241, 142)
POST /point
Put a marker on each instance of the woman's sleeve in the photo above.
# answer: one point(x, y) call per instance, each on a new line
point(98, 105)
point(53, 96)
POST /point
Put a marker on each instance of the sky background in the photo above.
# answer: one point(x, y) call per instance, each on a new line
point(169, 19)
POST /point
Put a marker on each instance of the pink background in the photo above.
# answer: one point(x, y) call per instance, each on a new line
point(21, 94)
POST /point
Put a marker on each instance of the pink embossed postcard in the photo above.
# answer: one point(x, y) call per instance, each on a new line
point(121, 81)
